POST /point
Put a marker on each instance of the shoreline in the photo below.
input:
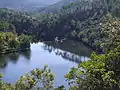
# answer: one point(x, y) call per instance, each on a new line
point(14, 51)
point(93, 47)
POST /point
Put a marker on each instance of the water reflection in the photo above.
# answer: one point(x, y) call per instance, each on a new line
point(13, 58)
point(60, 57)
point(26, 54)
point(69, 50)
point(3, 62)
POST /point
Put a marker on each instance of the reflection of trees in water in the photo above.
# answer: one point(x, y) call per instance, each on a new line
point(13, 57)
point(3, 62)
point(71, 46)
point(69, 56)
point(48, 48)
point(26, 54)
point(75, 52)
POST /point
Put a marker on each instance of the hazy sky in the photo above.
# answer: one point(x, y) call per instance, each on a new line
point(44, 1)
point(28, 1)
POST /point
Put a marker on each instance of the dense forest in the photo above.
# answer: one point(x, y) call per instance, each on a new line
point(83, 21)
point(93, 22)
point(10, 41)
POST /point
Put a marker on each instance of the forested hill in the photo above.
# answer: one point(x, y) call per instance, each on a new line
point(10, 39)
point(23, 22)
point(82, 20)
point(56, 6)
point(95, 23)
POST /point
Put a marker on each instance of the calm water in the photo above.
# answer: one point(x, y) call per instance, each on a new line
point(59, 57)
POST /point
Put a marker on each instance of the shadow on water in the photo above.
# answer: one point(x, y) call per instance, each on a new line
point(13, 58)
point(69, 50)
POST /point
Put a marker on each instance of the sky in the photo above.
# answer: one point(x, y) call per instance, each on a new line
point(25, 2)
point(45, 1)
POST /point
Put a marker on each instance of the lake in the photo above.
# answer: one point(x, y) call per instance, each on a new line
point(60, 57)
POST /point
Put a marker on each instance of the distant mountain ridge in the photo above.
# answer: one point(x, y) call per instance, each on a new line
point(25, 4)
point(35, 5)
point(57, 6)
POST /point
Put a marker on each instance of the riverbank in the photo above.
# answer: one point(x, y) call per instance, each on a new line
point(10, 42)
point(93, 47)
point(14, 51)
point(15, 65)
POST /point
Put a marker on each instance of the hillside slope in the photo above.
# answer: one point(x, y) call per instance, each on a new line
point(56, 6)
point(80, 21)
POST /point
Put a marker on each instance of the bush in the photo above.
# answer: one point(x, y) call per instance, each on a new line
point(24, 41)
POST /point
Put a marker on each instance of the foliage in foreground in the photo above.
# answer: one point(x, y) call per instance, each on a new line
point(38, 79)
point(100, 73)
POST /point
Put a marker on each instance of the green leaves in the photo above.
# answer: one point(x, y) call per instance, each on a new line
point(40, 79)
point(99, 73)
point(4, 26)
point(11, 43)
point(112, 36)
point(24, 41)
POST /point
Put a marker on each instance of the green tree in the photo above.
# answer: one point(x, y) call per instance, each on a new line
point(38, 79)
point(99, 73)
point(24, 41)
